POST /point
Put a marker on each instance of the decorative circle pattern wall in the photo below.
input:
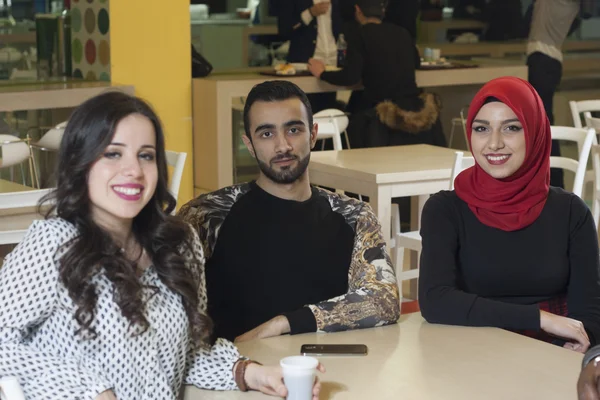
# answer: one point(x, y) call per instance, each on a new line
point(90, 39)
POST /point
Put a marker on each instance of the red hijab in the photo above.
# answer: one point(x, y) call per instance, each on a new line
point(514, 202)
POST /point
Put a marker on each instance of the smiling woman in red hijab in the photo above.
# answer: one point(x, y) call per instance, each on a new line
point(515, 201)
point(505, 249)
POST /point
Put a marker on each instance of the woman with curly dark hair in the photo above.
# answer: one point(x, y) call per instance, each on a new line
point(105, 298)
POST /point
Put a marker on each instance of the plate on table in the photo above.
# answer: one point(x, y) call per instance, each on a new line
point(434, 65)
point(294, 69)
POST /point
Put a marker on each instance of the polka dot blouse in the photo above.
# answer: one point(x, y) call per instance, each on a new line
point(38, 344)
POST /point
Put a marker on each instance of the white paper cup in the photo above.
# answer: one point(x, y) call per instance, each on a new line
point(10, 389)
point(436, 54)
point(299, 376)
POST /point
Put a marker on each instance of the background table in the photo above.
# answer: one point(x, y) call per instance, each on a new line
point(383, 173)
point(415, 360)
point(213, 101)
point(8, 187)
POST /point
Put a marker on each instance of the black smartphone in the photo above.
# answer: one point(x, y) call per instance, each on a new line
point(334, 350)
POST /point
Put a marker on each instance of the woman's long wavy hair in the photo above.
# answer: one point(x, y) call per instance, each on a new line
point(165, 238)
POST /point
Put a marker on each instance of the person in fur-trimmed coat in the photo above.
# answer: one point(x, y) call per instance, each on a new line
point(391, 110)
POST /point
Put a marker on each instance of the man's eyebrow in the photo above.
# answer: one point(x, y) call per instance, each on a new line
point(264, 126)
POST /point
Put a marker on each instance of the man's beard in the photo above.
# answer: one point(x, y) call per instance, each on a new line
point(287, 174)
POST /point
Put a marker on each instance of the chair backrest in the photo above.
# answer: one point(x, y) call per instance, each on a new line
point(595, 154)
point(461, 162)
point(332, 123)
point(51, 139)
point(593, 123)
point(177, 161)
point(586, 107)
point(584, 138)
point(463, 120)
point(14, 151)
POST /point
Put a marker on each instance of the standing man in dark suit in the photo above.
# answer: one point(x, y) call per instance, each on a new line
point(312, 27)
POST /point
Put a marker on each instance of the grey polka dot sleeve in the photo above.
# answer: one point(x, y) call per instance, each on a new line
point(28, 298)
point(209, 369)
point(38, 344)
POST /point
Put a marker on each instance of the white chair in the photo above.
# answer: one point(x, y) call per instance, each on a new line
point(462, 122)
point(177, 161)
point(596, 164)
point(16, 151)
point(18, 211)
point(332, 124)
point(584, 138)
point(49, 142)
point(594, 123)
point(412, 240)
point(585, 107)
point(461, 162)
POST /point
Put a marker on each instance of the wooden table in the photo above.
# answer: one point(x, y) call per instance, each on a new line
point(8, 187)
point(39, 95)
point(435, 31)
point(503, 49)
point(414, 360)
point(383, 173)
point(212, 111)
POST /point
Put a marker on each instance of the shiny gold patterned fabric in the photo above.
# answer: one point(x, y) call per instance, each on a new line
point(372, 298)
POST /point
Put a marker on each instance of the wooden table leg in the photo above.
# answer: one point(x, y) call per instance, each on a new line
point(416, 210)
point(382, 206)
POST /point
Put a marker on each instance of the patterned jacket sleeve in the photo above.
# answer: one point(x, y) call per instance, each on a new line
point(28, 296)
point(372, 298)
point(209, 368)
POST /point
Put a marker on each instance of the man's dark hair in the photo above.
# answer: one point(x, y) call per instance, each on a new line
point(372, 8)
point(275, 91)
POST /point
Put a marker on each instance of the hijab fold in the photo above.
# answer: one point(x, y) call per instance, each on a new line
point(517, 201)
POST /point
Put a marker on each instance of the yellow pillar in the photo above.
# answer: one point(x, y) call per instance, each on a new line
point(150, 49)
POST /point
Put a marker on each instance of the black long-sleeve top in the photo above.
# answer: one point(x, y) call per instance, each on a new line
point(384, 57)
point(475, 275)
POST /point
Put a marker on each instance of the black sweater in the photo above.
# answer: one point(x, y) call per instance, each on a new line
point(384, 57)
point(472, 274)
point(321, 263)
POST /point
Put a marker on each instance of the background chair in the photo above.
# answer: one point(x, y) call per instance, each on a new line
point(581, 111)
point(16, 151)
point(596, 201)
point(412, 240)
point(584, 138)
point(585, 107)
point(49, 142)
point(594, 123)
point(177, 161)
point(332, 124)
point(461, 122)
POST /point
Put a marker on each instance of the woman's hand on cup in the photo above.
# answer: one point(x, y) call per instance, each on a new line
point(269, 380)
point(106, 395)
